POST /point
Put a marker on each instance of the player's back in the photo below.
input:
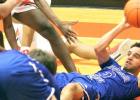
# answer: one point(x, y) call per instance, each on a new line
point(9, 65)
point(11, 62)
point(21, 78)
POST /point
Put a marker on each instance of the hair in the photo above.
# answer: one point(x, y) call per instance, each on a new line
point(137, 44)
point(2, 1)
point(48, 60)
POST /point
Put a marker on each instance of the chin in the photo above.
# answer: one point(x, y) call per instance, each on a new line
point(128, 69)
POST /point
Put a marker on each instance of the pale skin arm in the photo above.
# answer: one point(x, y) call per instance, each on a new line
point(82, 50)
point(100, 47)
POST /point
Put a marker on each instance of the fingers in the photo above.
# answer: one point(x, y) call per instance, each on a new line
point(71, 39)
point(73, 32)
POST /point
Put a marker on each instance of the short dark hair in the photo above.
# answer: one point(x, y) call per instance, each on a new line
point(48, 60)
point(137, 44)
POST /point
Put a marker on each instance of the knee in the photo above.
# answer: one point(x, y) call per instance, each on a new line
point(74, 90)
point(73, 86)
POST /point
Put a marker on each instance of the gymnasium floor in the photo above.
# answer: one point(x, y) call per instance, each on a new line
point(93, 23)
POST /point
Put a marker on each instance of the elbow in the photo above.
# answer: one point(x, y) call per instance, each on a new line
point(97, 49)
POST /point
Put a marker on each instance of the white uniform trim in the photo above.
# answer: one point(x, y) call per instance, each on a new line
point(22, 8)
point(52, 93)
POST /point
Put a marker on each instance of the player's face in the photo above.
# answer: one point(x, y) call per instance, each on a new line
point(132, 63)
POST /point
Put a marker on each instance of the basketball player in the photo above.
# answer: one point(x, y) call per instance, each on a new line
point(111, 82)
point(21, 78)
point(29, 38)
point(28, 14)
point(25, 79)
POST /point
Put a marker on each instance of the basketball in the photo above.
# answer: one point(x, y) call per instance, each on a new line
point(132, 12)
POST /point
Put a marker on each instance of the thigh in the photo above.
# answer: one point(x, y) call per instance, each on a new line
point(34, 19)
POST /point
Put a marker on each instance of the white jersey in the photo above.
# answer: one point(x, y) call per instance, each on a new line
point(26, 5)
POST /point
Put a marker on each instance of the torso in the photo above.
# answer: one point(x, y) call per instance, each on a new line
point(112, 83)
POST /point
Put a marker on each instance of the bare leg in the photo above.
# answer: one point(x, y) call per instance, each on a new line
point(27, 37)
point(72, 91)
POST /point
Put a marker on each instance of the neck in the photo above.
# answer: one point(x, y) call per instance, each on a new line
point(134, 72)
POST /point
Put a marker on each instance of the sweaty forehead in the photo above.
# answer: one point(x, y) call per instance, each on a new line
point(135, 50)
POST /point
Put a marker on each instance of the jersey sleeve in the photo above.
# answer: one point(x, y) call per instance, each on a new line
point(108, 63)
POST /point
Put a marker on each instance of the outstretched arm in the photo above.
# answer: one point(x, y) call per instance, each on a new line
point(63, 27)
point(82, 50)
point(100, 47)
point(10, 32)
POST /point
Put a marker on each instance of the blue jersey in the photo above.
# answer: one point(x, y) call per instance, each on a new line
point(111, 82)
point(22, 79)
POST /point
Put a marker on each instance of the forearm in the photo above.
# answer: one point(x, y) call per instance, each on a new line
point(7, 6)
point(108, 37)
point(100, 48)
point(10, 32)
point(83, 50)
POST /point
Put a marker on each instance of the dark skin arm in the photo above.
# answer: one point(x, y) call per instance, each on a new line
point(65, 28)
point(10, 32)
